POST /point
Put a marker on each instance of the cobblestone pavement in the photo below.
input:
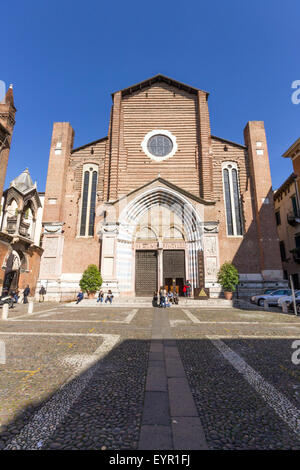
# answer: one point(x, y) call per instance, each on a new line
point(117, 378)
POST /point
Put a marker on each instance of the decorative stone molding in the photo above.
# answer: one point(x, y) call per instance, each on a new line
point(53, 227)
point(211, 227)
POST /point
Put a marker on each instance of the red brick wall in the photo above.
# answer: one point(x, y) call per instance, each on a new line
point(237, 248)
point(157, 107)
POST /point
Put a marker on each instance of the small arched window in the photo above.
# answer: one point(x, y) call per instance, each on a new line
point(88, 205)
point(232, 199)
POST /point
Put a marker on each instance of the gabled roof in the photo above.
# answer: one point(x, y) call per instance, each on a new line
point(90, 143)
point(171, 186)
point(159, 78)
point(293, 151)
point(228, 141)
point(284, 186)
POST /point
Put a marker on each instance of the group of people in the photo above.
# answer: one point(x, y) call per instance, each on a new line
point(109, 296)
point(165, 299)
point(187, 289)
point(15, 294)
point(100, 298)
point(160, 299)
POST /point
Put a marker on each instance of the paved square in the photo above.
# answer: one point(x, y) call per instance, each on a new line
point(144, 378)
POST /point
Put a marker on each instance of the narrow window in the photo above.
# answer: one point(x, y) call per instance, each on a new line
point(228, 203)
point(237, 206)
point(282, 251)
point(93, 203)
point(84, 202)
point(294, 204)
point(297, 241)
point(88, 205)
point(232, 200)
point(278, 218)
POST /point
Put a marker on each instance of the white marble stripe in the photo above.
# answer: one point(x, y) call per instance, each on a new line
point(191, 316)
point(46, 420)
point(275, 399)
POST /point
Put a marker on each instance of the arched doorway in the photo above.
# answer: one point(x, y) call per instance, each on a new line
point(14, 264)
point(160, 234)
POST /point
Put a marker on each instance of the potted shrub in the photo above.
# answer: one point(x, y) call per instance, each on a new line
point(91, 280)
point(228, 277)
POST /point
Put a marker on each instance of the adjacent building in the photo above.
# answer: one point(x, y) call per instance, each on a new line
point(20, 234)
point(287, 214)
point(159, 200)
point(21, 215)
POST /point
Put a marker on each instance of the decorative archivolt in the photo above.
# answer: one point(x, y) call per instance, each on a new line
point(173, 232)
point(163, 197)
point(145, 233)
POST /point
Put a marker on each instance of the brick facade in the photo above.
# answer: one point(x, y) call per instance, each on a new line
point(131, 184)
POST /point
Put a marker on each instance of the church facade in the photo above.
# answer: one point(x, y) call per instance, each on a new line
point(159, 200)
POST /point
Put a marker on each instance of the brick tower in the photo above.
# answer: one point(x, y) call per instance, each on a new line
point(7, 122)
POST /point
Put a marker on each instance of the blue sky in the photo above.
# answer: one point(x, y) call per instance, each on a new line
point(66, 57)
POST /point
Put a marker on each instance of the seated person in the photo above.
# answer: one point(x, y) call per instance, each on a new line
point(79, 297)
point(162, 301)
point(109, 297)
point(175, 298)
point(155, 299)
point(100, 296)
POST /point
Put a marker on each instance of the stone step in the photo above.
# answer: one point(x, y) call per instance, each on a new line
point(139, 302)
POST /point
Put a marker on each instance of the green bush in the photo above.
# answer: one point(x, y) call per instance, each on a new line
point(228, 277)
point(91, 279)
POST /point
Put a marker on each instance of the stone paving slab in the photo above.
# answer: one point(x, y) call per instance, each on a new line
point(156, 356)
point(188, 433)
point(180, 398)
point(156, 408)
point(155, 437)
point(156, 379)
point(174, 368)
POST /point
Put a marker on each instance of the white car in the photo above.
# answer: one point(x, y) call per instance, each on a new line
point(272, 297)
point(288, 298)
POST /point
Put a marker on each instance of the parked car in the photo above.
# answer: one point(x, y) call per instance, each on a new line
point(288, 298)
point(272, 297)
point(268, 291)
point(290, 305)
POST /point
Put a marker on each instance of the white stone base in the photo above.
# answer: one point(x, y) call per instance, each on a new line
point(65, 290)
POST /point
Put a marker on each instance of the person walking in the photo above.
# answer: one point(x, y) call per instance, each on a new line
point(100, 296)
point(42, 293)
point(79, 297)
point(26, 293)
point(184, 290)
point(189, 288)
